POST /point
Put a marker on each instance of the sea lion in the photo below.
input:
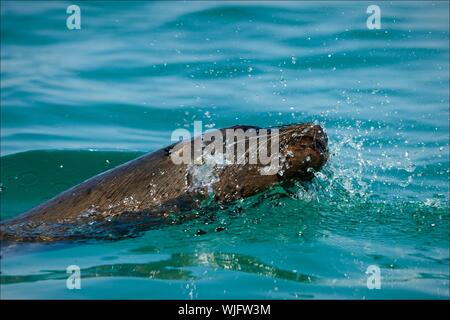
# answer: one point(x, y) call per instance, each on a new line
point(152, 190)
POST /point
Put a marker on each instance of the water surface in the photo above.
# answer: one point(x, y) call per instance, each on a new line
point(76, 103)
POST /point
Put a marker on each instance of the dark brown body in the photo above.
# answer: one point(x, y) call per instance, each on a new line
point(150, 190)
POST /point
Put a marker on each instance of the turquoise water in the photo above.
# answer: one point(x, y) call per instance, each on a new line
point(76, 103)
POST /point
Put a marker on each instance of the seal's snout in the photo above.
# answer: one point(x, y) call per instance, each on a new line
point(306, 149)
point(320, 140)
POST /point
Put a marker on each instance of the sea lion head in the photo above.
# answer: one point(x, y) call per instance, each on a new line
point(304, 148)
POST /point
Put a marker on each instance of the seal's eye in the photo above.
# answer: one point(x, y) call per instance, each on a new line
point(305, 140)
